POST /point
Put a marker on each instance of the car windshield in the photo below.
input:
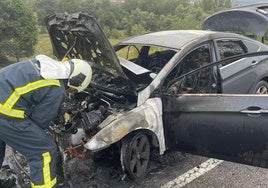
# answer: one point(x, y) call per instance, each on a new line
point(153, 58)
point(142, 63)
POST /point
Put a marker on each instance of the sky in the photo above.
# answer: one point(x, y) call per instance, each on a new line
point(246, 2)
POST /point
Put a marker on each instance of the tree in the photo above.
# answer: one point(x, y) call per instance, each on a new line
point(70, 6)
point(44, 8)
point(211, 6)
point(18, 29)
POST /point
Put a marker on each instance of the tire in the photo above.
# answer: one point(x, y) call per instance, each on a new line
point(261, 88)
point(135, 155)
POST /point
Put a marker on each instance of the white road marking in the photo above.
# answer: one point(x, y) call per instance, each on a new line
point(192, 174)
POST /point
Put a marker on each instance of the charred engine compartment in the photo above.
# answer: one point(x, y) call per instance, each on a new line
point(81, 115)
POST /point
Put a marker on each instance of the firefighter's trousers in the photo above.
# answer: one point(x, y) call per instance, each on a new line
point(36, 145)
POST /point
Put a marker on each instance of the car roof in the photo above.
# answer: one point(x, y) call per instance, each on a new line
point(249, 18)
point(174, 39)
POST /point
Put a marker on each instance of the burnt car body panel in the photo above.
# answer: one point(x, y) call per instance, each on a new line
point(147, 116)
point(229, 127)
point(249, 18)
point(80, 36)
point(174, 39)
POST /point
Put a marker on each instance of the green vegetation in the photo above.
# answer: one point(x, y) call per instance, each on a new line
point(18, 30)
point(44, 45)
point(118, 20)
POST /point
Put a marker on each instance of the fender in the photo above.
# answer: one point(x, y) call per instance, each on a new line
point(147, 116)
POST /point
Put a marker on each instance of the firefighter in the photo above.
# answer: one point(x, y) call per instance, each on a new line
point(31, 95)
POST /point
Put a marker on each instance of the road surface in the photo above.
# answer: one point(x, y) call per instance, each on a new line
point(173, 169)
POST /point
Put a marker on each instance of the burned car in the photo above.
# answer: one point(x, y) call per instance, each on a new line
point(166, 92)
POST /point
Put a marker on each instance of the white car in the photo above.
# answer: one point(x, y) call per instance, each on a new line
point(170, 90)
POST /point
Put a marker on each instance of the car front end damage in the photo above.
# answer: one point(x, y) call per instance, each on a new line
point(107, 112)
point(147, 117)
point(90, 124)
point(97, 124)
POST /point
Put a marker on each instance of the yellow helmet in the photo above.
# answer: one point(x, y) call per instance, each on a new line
point(81, 74)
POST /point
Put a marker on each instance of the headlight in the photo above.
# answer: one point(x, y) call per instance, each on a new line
point(96, 145)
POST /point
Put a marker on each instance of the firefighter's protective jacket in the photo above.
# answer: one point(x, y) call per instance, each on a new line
point(26, 94)
point(31, 95)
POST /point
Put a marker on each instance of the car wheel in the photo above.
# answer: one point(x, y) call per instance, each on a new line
point(261, 88)
point(135, 155)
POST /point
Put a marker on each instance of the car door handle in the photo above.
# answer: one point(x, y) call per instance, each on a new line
point(254, 110)
point(254, 63)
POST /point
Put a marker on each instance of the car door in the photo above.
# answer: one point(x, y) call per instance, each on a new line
point(203, 81)
point(223, 126)
point(237, 76)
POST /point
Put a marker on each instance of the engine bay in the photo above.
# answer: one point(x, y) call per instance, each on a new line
point(81, 115)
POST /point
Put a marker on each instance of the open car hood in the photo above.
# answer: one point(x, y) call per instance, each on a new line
point(80, 36)
point(251, 18)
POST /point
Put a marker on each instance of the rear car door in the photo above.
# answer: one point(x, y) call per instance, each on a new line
point(229, 127)
point(236, 75)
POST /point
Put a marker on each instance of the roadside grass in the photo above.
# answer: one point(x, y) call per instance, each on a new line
point(114, 41)
point(43, 46)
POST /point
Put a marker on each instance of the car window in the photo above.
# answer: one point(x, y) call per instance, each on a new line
point(199, 82)
point(202, 81)
point(251, 46)
point(130, 52)
point(158, 58)
point(195, 59)
point(229, 48)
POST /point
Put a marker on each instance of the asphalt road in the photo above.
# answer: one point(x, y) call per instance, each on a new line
point(185, 172)
point(180, 170)
point(174, 169)
point(229, 174)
